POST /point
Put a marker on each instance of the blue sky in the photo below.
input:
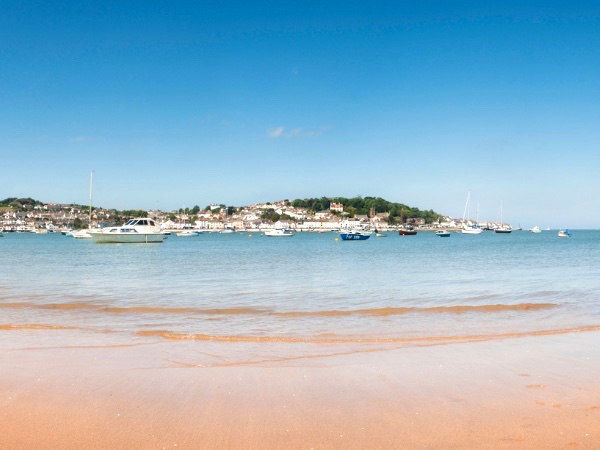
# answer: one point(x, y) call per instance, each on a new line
point(185, 103)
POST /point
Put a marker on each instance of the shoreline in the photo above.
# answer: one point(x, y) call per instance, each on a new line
point(530, 392)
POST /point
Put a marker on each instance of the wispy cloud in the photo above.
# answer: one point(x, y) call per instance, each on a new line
point(282, 132)
point(78, 139)
point(275, 132)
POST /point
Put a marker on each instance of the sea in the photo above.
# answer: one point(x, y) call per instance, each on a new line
point(312, 288)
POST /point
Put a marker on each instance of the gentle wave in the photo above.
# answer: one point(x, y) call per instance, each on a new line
point(458, 309)
point(385, 311)
point(344, 340)
point(34, 326)
point(182, 310)
point(133, 309)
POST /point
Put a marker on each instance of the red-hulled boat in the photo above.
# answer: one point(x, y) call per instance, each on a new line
point(408, 231)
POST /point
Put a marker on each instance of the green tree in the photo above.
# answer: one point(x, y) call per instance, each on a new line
point(271, 215)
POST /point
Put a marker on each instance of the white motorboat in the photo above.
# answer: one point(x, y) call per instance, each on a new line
point(81, 234)
point(279, 232)
point(187, 233)
point(136, 231)
point(536, 229)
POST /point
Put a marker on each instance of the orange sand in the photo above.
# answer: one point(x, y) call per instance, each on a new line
point(526, 393)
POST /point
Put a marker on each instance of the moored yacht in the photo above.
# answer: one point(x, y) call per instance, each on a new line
point(136, 231)
point(279, 232)
point(468, 227)
point(471, 229)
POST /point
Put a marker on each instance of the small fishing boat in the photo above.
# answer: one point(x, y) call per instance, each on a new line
point(354, 235)
point(408, 231)
point(564, 233)
point(536, 229)
point(442, 233)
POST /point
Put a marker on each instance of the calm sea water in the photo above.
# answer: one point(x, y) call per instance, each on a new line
point(308, 288)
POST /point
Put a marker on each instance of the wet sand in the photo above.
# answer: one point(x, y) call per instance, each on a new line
point(526, 392)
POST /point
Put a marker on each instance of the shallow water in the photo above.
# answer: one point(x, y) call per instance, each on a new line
point(308, 288)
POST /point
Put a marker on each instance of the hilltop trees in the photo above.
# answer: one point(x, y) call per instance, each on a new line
point(398, 212)
point(15, 202)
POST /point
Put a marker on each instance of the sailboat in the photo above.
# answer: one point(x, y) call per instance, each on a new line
point(503, 229)
point(83, 234)
point(186, 230)
point(469, 228)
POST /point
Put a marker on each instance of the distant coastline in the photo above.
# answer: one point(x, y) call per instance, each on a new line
point(318, 214)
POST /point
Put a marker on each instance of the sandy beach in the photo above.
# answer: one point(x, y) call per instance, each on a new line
point(528, 392)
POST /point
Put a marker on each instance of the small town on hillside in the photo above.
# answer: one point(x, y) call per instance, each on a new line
point(50, 217)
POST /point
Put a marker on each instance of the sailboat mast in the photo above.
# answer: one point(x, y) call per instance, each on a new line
point(91, 191)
